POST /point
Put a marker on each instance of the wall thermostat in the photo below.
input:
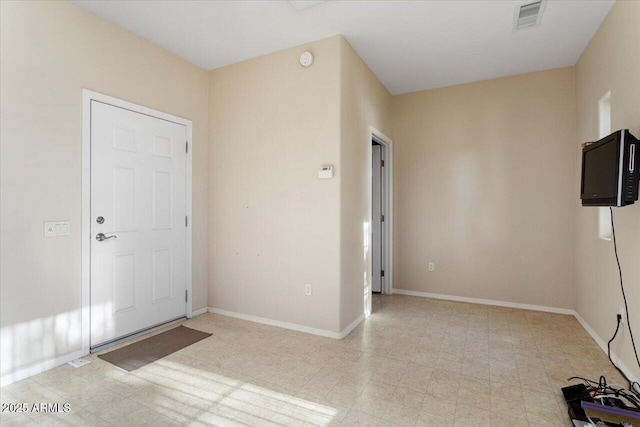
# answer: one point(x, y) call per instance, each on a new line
point(306, 59)
point(325, 172)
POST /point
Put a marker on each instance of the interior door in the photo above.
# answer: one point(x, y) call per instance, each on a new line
point(376, 220)
point(138, 228)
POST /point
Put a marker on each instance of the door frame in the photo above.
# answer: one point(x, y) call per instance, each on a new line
point(387, 203)
point(87, 97)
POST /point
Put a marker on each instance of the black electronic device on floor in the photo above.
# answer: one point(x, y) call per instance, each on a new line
point(574, 395)
point(606, 410)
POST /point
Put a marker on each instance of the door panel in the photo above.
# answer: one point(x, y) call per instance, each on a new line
point(138, 185)
point(162, 280)
point(124, 281)
point(124, 199)
point(161, 204)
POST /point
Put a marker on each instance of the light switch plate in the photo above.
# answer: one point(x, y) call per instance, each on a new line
point(57, 228)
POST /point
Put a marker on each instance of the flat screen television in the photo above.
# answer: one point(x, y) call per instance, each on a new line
point(610, 170)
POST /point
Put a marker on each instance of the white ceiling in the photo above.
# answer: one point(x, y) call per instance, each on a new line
point(409, 45)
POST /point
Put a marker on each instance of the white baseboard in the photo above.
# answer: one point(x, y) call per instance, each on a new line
point(352, 326)
point(199, 312)
point(286, 325)
point(603, 345)
point(556, 310)
point(30, 371)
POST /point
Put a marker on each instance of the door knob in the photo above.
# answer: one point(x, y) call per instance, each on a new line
point(100, 237)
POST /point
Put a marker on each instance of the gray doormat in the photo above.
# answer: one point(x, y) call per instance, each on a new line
point(138, 354)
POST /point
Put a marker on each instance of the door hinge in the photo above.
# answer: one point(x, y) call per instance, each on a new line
point(186, 295)
point(382, 218)
point(186, 221)
point(381, 273)
point(186, 146)
point(382, 163)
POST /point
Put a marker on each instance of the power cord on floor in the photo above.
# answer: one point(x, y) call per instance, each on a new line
point(633, 386)
point(601, 389)
point(619, 318)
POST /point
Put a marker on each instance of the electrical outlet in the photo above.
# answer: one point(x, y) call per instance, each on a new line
point(307, 289)
point(432, 266)
point(621, 313)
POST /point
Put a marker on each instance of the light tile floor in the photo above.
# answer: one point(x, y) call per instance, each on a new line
point(414, 362)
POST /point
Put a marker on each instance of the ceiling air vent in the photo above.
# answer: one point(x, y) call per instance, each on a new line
point(528, 15)
point(304, 4)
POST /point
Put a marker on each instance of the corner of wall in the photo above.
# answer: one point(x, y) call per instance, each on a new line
point(268, 209)
point(364, 103)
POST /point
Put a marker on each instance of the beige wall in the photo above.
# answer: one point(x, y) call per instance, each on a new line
point(275, 226)
point(50, 51)
point(611, 61)
point(485, 188)
point(364, 102)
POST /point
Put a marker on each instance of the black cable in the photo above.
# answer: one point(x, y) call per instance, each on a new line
point(624, 297)
point(619, 317)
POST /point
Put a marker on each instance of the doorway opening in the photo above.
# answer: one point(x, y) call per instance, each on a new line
point(381, 216)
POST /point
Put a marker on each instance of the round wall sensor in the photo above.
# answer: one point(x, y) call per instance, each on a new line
point(306, 59)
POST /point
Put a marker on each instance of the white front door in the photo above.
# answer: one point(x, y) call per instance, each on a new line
point(138, 222)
